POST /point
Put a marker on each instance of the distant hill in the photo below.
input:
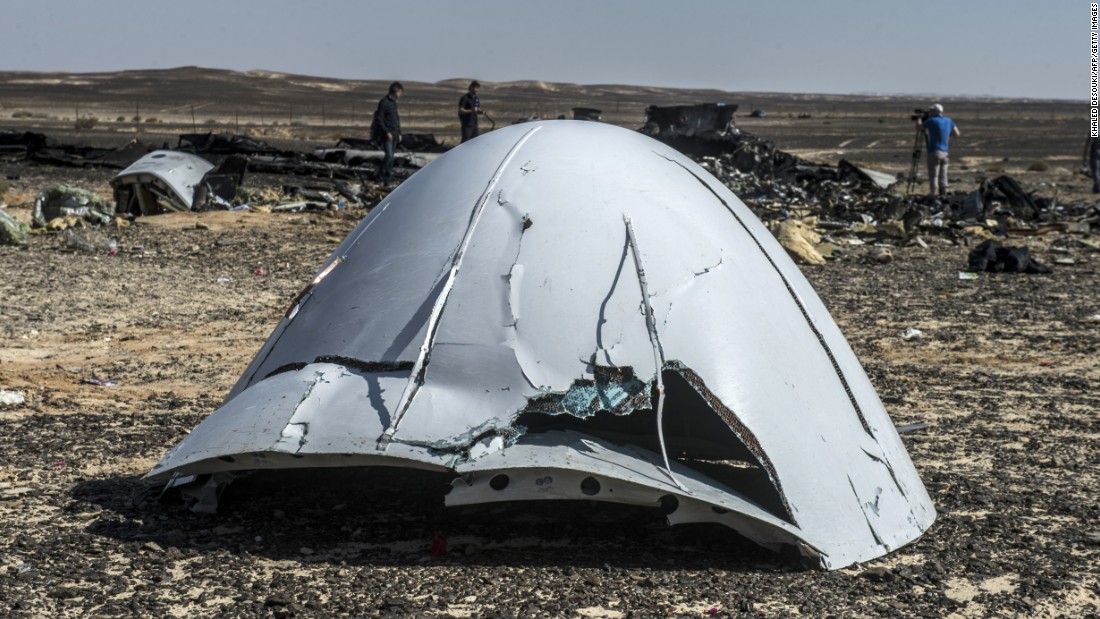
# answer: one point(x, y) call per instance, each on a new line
point(175, 95)
point(162, 103)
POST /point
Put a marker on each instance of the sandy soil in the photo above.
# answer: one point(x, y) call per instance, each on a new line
point(1006, 377)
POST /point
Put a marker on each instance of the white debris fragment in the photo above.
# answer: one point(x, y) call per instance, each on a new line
point(11, 399)
point(497, 324)
point(882, 255)
point(912, 334)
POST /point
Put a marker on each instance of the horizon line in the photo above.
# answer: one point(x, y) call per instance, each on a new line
point(897, 95)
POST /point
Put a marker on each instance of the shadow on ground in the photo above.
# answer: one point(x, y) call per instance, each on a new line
point(378, 516)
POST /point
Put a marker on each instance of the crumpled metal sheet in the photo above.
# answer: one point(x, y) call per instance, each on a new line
point(12, 231)
point(62, 200)
point(210, 143)
point(882, 180)
point(466, 321)
point(161, 180)
point(22, 143)
point(689, 120)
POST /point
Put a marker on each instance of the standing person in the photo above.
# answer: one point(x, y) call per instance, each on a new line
point(386, 128)
point(469, 107)
point(939, 130)
point(1091, 160)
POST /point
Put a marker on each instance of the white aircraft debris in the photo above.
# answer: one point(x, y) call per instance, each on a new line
point(571, 310)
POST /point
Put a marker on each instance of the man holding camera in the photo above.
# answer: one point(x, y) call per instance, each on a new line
point(938, 129)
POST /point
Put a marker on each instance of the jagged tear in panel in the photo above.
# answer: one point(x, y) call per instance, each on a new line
point(614, 390)
point(454, 330)
point(616, 406)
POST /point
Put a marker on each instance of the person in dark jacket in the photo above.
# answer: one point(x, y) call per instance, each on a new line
point(387, 129)
point(469, 106)
point(1091, 161)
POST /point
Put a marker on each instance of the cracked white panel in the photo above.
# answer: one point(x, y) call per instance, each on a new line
point(375, 305)
point(468, 390)
point(545, 283)
point(578, 452)
point(864, 392)
point(769, 367)
point(553, 466)
point(888, 498)
point(472, 382)
point(364, 400)
point(587, 297)
point(251, 422)
point(550, 481)
point(322, 408)
point(534, 252)
point(295, 433)
point(179, 172)
point(515, 297)
point(577, 270)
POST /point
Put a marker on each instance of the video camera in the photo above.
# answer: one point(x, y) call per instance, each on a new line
point(921, 115)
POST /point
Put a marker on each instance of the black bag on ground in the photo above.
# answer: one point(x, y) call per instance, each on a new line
point(993, 257)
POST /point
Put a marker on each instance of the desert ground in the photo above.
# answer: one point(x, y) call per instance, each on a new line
point(1005, 378)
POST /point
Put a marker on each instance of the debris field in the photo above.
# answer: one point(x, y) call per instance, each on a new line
point(119, 344)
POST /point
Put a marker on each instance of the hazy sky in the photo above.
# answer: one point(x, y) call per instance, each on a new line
point(1016, 48)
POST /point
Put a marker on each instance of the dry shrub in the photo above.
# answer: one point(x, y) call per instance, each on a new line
point(1039, 166)
point(273, 132)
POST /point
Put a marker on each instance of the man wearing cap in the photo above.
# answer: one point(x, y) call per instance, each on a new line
point(938, 129)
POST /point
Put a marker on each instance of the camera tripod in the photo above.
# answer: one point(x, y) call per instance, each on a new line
point(915, 165)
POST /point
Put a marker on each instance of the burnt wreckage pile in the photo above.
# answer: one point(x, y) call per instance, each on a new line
point(351, 158)
point(774, 182)
point(205, 170)
point(42, 149)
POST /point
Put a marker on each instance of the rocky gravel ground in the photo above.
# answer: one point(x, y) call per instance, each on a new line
point(1005, 376)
